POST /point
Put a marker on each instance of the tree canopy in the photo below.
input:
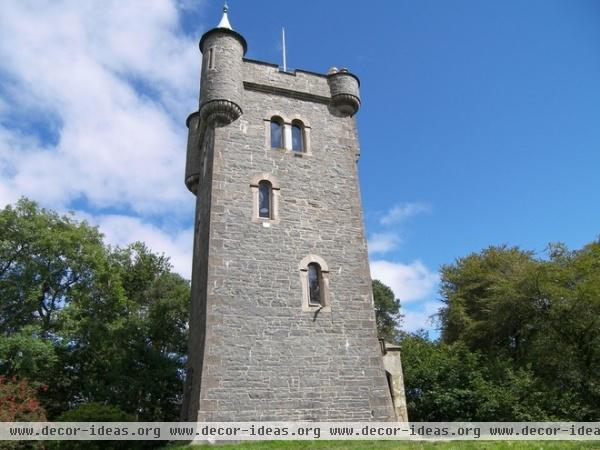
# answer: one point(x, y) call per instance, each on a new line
point(520, 338)
point(90, 322)
point(387, 312)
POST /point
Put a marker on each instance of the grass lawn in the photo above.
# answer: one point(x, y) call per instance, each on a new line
point(388, 445)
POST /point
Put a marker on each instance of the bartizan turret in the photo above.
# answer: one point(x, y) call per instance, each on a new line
point(221, 87)
point(193, 160)
point(221, 83)
point(345, 96)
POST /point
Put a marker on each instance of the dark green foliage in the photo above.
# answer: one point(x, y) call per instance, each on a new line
point(98, 412)
point(387, 312)
point(520, 339)
point(93, 323)
point(95, 412)
point(451, 383)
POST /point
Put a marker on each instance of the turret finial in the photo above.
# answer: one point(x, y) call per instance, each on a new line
point(224, 23)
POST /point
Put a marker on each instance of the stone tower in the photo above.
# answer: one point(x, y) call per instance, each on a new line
point(282, 323)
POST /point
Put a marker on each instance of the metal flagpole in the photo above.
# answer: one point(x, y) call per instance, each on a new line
point(283, 41)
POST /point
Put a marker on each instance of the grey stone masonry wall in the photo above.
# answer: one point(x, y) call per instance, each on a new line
point(255, 353)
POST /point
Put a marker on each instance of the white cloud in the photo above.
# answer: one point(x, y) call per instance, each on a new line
point(410, 282)
point(415, 286)
point(421, 317)
point(383, 242)
point(122, 230)
point(401, 212)
point(118, 78)
point(93, 100)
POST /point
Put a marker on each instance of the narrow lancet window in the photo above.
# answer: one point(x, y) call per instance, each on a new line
point(314, 284)
point(264, 199)
point(211, 58)
point(276, 132)
point(297, 137)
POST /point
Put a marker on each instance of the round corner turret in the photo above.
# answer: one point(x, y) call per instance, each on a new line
point(221, 83)
point(192, 163)
point(344, 88)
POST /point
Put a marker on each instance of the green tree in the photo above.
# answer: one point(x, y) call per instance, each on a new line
point(94, 323)
point(540, 315)
point(387, 312)
point(488, 300)
point(449, 382)
point(45, 260)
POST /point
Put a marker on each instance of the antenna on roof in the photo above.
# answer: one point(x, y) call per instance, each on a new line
point(283, 48)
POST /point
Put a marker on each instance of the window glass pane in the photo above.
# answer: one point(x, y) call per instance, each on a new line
point(314, 284)
point(264, 199)
point(276, 134)
point(297, 138)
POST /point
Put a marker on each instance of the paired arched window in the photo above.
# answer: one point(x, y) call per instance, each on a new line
point(265, 194)
point(290, 136)
point(277, 132)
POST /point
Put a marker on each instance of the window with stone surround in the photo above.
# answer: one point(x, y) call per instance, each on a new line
point(265, 199)
point(314, 279)
point(290, 134)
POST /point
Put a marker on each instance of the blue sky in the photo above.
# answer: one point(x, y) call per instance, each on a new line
point(480, 121)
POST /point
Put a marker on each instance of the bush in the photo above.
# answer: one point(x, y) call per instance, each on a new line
point(96, 412)
point(19, 403)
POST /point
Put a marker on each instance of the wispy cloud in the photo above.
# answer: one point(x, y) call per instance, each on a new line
point(421, 315)
point(410, 282)
point(415, 286)
point(122, 230)
point(383, 242)
point(400, 213)
point(95, 95)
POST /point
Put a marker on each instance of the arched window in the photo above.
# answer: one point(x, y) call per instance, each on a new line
point(297, 136)
point(314, 284)
point(264, 199)
point(314, 279)
point(276, 132)
point(265, 188)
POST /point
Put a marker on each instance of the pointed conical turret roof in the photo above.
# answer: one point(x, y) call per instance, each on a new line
point(224, 23)
point(224, 26)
